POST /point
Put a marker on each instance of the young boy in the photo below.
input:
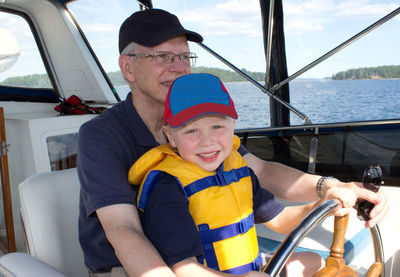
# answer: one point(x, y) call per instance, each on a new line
point(197, 197)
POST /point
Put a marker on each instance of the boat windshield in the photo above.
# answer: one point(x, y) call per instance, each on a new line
point(233, 29)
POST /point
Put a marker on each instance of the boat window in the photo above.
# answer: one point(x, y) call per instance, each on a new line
point(62, 151)
point(359, 82)
point(23, 75)
point(101, 30)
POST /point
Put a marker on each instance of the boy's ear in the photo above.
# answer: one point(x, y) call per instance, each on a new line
point(169, 136)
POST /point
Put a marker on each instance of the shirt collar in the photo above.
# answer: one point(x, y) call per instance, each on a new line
point(142, 134)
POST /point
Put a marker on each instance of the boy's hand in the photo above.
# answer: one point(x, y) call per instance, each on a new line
point(344, 196)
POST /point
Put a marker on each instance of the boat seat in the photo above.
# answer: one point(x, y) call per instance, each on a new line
point(49, 211)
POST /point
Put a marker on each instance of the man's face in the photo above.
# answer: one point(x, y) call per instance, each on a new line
point(153, 80)
point(205, 140)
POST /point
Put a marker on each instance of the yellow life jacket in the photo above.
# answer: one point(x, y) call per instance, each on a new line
point(221, 204)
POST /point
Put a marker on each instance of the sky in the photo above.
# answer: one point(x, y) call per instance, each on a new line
point(232, 28)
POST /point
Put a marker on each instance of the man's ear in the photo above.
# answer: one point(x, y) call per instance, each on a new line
point(126, 68)
point(169, 136)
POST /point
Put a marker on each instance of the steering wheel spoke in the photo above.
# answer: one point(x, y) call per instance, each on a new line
point(335, 264)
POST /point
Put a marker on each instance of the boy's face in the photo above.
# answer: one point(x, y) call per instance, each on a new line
point(205, 140)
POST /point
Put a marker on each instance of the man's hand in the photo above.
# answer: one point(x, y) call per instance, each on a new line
point(378, 198)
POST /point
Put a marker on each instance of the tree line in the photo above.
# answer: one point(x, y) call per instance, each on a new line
point(32, 81)
point(43, 81)
point(379, 72)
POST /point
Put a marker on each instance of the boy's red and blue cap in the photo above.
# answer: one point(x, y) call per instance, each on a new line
point(196, 94)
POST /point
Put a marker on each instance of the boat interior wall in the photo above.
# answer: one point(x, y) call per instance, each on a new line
point(38, 109)
point(39, 142)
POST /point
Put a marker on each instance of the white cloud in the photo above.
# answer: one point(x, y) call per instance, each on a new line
point(307, 8)
point(301, 27)
point(239, 7)
point(312, 15)
point(364, 8)
point(17, 25)
point(233, 17)
point(100, 28)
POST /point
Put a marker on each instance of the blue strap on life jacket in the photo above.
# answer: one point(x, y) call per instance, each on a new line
point(208, 236)
point(221, 178)
point(149, 183)
point(253, 266)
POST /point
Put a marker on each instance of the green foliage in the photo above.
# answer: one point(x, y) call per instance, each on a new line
point(229, 76)
point(380, 72)
point(31, 81)
point(225, 75)
point(43, 81)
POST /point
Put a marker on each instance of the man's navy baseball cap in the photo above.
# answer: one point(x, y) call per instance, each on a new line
point(196, 94)
point(151, 27)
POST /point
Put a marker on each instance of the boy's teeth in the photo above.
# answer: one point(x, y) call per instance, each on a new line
point(208, 154)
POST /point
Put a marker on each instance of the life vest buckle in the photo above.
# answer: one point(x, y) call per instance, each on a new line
point(242, 227)
point(224, 178)
point(245, 224)
point(256, 264)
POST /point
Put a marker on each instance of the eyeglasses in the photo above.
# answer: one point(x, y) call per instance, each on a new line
point(166, 57)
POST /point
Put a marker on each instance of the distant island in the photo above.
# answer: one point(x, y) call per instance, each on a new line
point(365, 73)
point(42, 80)
point(380, 72)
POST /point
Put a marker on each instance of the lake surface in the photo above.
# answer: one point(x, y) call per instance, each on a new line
point(323, 101)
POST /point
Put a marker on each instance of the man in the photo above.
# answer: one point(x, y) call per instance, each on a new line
point(154, 52)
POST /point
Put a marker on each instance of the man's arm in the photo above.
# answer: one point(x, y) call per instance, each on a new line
point(123, 230)
point(294, 185)
point(282, 181)
point(191, 268)
point(291, 216)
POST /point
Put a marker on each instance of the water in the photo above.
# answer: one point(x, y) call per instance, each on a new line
point(323, 101)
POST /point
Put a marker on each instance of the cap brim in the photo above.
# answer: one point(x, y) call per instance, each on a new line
point(150, 40)
point(201, 109)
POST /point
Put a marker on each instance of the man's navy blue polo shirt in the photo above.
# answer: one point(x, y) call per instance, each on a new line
point(108, 146)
